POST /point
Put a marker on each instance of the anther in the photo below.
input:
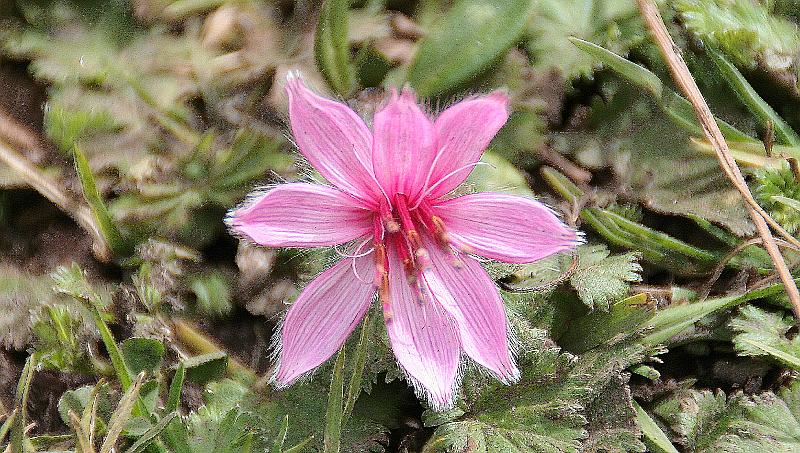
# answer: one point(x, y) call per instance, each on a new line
point(387, 218)
point(381, 267)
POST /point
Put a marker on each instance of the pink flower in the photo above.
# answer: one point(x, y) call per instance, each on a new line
point(389, 194)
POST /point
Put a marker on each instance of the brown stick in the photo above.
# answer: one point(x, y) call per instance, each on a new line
point(683, 78)
point(40, 182)
point(19, 135)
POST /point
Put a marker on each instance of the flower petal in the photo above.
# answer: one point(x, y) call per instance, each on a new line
point(472, 299)
point(302, 215)
point(505, 227)
point(324, 315)
point(423, 339)
point(404, 146)
point(464, 131)
point(334, 140)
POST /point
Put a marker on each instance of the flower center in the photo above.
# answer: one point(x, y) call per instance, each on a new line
point(401, 228)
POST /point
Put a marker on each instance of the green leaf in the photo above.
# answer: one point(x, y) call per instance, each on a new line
point(466, 41)
point(176, 388)
point(7, 424)
point(277, 447)
point(79, 399)
point(612, 418)
point(654, 437)
point(206, 367)
point(143, 354)
point(764, 333)
point(790, 202)
point(754, 103)
point(213, 293)
point(92, 195)
point(121, 415)
point(601, 279)
point(655, 247)
point(596, 328)
point(149, 436)
point(542, 413)
point(72, 281)
point(331, 48)
point(778, 191)
point(18, 437)
point(609, 23)
point(627, 69)
point(333, 414)
point(670, 323)
point(747, 32)
point(707, 422)
point(359, 362)
point(496, 173)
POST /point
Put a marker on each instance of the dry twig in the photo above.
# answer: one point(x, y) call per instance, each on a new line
point(683, 78)
point(40, 182)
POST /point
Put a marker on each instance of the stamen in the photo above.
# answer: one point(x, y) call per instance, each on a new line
point(420, 253)
point(388, 220)
point(436, 225)
point(381, 266)
point(412, 271)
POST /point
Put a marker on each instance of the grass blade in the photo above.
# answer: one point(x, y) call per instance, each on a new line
point(333, 416)
point(277, 447)
point(754, 103)
point(626, 68)
point(331, 49)
point(144, 441)
point(92, 195)
point(354, 386)
point(121, 415)
point(656, 440)
point(21, 403)
point(176, 388)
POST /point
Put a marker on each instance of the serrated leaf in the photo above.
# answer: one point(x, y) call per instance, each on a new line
point(612, 24)
point(466, 41)
point(542, 413)
point(764, 333)
point(601, 279)
point(706, 421)
point(747, 32)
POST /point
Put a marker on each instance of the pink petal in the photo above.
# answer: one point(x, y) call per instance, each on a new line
point(334, 140)
point(472, 299)
point(302, 215)
point(423, 338)
point(404, 146)
point(324, 315)
point(505, 227)
point(465, 130)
